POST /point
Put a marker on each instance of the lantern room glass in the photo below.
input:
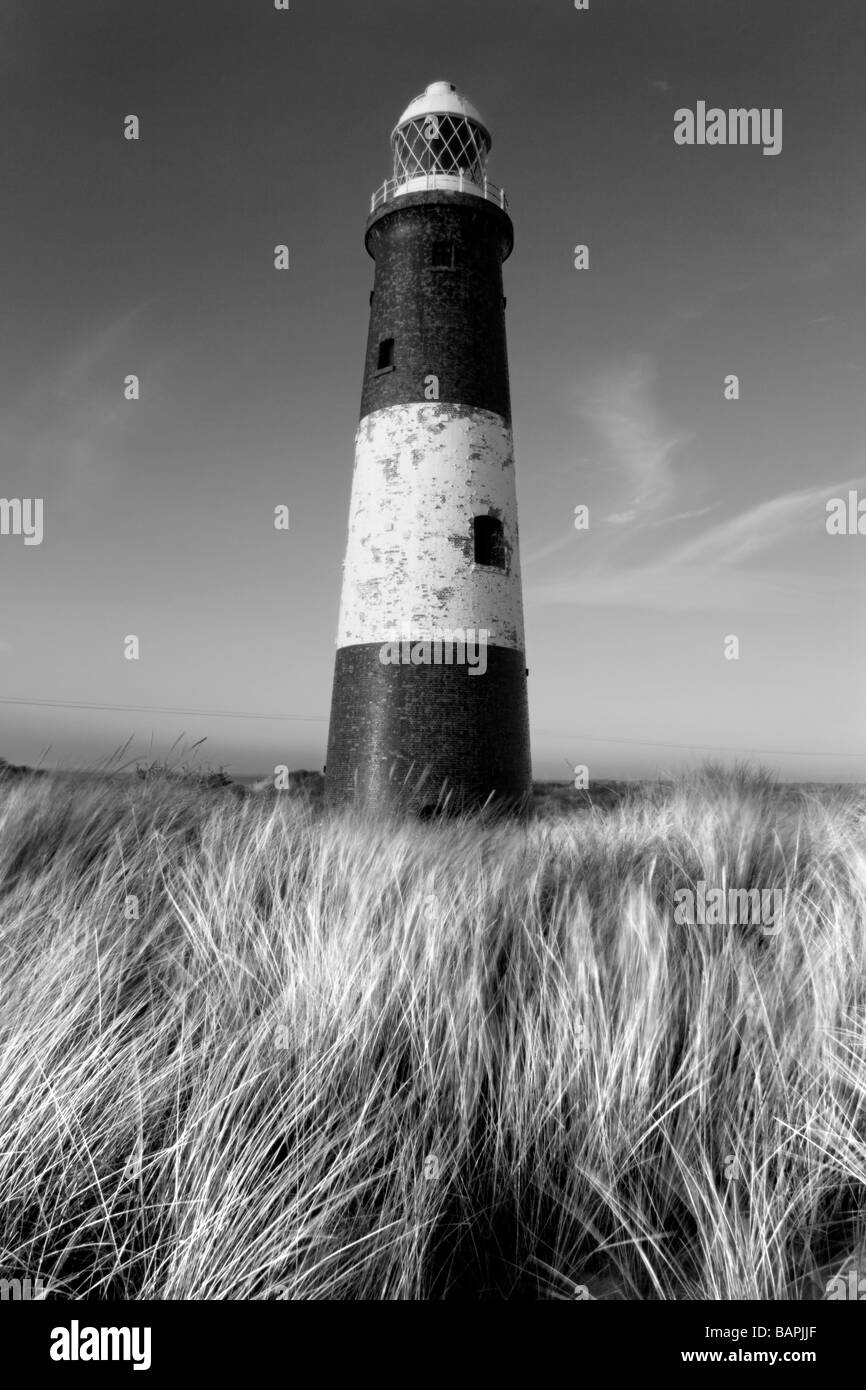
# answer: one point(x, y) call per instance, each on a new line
point(440, 144)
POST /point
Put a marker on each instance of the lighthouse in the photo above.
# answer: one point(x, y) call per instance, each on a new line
point(429, 704)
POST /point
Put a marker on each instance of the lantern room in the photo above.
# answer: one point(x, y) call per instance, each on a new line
point(440, 142)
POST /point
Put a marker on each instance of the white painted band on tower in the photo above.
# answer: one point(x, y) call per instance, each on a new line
point(422, 472)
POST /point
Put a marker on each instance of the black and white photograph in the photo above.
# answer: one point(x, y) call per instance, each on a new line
point(433, 669)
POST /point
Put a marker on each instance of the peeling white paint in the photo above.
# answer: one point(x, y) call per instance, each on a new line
point(422, 471)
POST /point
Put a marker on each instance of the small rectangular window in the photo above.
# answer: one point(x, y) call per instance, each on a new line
point(386, 354)
point(444, 255)
point(488, 540)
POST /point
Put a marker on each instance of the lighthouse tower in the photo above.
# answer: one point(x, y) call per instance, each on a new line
point(432, 554)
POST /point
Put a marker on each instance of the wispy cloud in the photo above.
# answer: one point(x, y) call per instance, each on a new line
point(683, 516)
point(761, 527)
point(619, 405)
point(708, 571)
point(63, 429)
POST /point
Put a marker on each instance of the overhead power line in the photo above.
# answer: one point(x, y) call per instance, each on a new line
point(321, 719)
point(703, 747)
point(160, 709)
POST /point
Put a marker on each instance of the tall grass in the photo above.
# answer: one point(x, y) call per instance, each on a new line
point(336, 1058)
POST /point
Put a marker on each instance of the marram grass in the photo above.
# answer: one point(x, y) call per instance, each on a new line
point(338, 1058)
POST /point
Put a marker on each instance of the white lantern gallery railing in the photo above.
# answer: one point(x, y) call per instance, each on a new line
point(455, 183)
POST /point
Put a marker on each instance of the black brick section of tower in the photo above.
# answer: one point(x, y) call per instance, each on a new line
point(446, 321)
point(428, 736)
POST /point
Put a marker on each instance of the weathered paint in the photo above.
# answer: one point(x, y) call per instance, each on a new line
point(421, 473)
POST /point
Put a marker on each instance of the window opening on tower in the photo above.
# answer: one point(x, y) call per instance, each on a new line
point(488, 540)
point(443, 255)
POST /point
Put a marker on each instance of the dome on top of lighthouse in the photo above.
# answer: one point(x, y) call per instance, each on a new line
point(442, 99)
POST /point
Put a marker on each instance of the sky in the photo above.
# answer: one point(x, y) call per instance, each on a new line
point(258, 127)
